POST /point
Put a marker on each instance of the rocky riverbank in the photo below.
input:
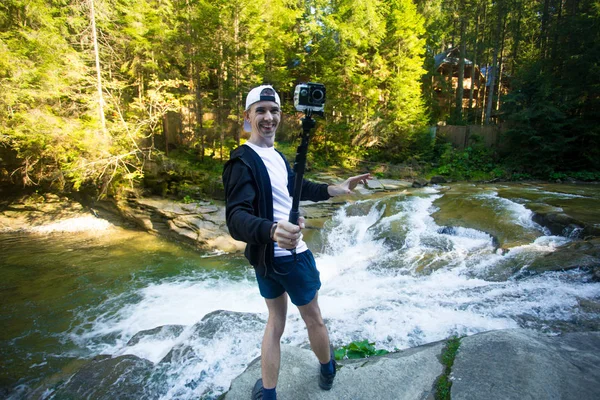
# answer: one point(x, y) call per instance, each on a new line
point(201, 224)
point(509, 365)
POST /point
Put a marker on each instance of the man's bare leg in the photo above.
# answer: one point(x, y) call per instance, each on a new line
point(317, 331)
point(271, 346)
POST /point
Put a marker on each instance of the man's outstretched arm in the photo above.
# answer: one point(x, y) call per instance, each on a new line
point(348, 185)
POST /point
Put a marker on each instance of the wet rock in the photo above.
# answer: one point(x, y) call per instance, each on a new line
point(160, 332)
point(374, 184)
point(447, 230)
point(211, 325)
point(583, 254)
point(393, 184)
point(557, 223)
point(200, 224)
point(437, 179)
point(419, 183)
point(408, 375)
point(518, 364)
point(324, 209)
point(109, 378)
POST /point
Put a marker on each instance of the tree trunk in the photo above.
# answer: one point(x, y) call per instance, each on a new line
point(460, 91)
point(493, 68)
point(501, 63)
point(473, 66)
point(221, 101)
point(517, 37)
point(238, 95)
point(98, 75)
point(544, 28)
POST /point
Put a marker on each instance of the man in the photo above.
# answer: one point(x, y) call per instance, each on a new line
point(258, 186)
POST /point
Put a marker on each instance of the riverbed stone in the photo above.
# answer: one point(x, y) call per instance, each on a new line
point(160, 332)
point(200, 224)
point(520, 364)
point(395, 184)
point(405, 375)
point(374, 184)
point(419, 183)
point(437, 179)
point(584, 254)
point(512, 364)
point(210, 326)
point(108, 378)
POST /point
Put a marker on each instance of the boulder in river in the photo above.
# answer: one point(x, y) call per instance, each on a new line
point(200, 224)
point(214, 323)
point(437, 179)
point(584, 254)
point(108, 378)
point(158, 333)
point(419, 183)
point(520, 364)
point(510, 364)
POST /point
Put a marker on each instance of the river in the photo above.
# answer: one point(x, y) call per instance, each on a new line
point(401, 269)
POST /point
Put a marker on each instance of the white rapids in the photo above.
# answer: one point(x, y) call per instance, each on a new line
point(423, 285)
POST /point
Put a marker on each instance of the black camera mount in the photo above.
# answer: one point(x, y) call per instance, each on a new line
point(300, 165)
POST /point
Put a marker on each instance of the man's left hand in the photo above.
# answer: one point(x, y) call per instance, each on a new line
point(348, 185)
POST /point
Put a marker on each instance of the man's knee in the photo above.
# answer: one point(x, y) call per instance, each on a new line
point(276, 326)
point(313, 320)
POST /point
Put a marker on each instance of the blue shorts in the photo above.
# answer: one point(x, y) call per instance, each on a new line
point(299, 279)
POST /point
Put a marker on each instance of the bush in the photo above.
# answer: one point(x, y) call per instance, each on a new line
point(476, 162)
point(362, 349)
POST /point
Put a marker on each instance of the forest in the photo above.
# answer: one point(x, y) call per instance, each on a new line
point(98, 95)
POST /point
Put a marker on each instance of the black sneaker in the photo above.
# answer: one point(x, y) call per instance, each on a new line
point(326, 380)
point(257, 391)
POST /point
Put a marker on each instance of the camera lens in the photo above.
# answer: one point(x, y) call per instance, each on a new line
point(318, 95)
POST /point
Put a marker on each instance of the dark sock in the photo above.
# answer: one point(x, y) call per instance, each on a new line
point(269, 394)
point(327, 368)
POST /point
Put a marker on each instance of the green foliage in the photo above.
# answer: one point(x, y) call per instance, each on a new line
point(476, 162)
point(586, 176)
point(177, 72)
point(517, 176)
point(184, 175)
point(444, 383)
point(358, 349)
point(553, 107)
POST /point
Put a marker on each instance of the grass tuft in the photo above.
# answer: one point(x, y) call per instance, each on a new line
point(444, 383)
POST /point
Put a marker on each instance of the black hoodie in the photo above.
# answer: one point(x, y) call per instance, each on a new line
point(249, 203)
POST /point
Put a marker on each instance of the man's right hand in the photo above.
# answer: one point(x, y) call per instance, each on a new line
point(287, 235)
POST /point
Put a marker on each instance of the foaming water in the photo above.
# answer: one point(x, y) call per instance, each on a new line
point(390, 274)
point(518, 213)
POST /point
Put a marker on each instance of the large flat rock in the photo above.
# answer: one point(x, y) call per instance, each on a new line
point(520, 365)
point(406, 375)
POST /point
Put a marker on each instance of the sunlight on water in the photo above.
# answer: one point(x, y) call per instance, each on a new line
point(79, 224)
point(399, 280)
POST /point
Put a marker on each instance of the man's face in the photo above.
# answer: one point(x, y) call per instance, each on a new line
point(264, 118)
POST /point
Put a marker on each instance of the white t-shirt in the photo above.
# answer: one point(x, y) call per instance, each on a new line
point(282, 201)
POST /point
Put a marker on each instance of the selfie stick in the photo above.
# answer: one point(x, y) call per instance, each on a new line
point(299, 165)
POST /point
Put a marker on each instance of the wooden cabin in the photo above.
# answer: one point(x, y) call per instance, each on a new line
point(445, 81)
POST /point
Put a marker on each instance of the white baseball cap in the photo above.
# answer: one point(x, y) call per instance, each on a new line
point(260, 93)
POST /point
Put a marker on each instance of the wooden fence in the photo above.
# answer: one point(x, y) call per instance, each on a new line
point(460, 136)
